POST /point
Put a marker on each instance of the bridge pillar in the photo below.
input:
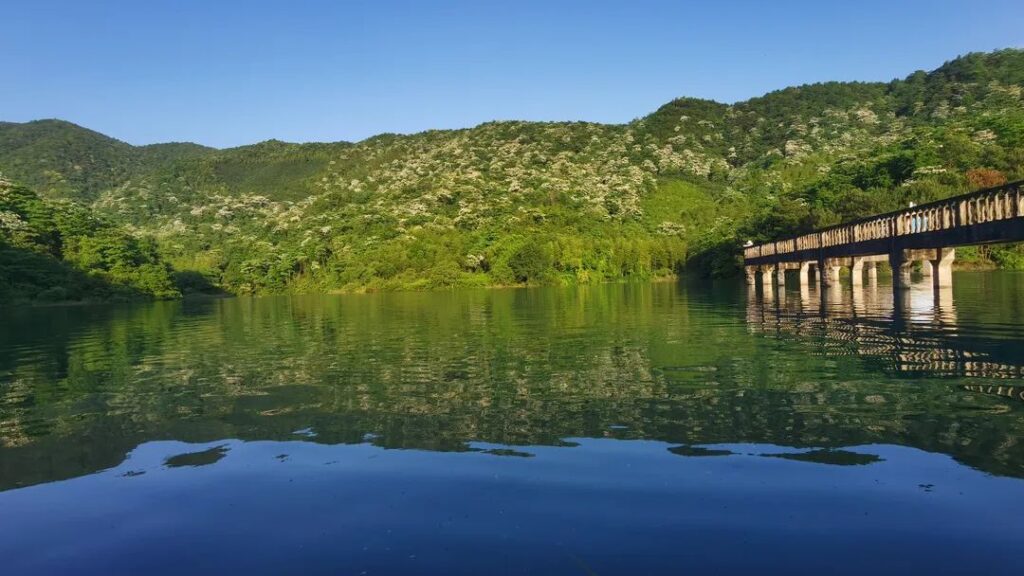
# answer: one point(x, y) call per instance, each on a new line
point(857, 272)
point(900, 270)
point(767, 282)
point(829, 273)
point(780, 276)
point(942, 267)
point(926, 268)
point(872, 268)
point(805, 274)
point(751, 274)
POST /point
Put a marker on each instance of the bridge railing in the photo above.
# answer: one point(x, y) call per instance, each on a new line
point(989, 205)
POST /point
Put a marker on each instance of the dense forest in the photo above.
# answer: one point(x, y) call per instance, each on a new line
point(84, 216)
point(60, 250)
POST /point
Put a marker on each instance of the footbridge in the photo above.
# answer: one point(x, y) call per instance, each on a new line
point(928, 233)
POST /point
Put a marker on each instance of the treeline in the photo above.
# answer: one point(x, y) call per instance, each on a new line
point(446, 259)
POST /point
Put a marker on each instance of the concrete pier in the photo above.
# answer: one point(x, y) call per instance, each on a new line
point(805, 273)
point(942, 267)
point(857, 272)
point(829, 271)
point(901, 269)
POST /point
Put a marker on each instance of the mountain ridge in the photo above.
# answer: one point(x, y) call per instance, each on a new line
point(952, 70)
point(509, 202)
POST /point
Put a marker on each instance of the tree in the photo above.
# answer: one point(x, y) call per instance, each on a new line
point(980, 178)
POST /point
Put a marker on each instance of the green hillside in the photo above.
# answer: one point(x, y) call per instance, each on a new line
point(59, 250)
point(62, 160)
point(514, 202)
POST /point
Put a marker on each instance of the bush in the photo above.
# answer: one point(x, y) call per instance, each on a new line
point(1008, 257)
point(530, 262)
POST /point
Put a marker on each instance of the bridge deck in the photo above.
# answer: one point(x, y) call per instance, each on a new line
point(983, 217)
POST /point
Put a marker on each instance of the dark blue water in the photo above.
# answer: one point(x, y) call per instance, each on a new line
point(620, 429)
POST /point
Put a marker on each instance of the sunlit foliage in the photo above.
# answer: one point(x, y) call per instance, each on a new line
point(526, 202)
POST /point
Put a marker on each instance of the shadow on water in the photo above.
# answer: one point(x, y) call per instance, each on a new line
point(831, 457)
point(690, 364)
point(201, 458)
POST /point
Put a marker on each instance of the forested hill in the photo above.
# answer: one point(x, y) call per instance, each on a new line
point(515, 202)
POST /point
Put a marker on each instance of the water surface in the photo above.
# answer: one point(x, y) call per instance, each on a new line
point(617, 429)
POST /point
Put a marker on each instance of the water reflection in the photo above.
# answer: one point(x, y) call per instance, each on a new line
point(600, 507)
point(687, 365)
point(615, 429)
point(916, 331)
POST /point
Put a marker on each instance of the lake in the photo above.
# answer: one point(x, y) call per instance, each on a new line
point(662, 428)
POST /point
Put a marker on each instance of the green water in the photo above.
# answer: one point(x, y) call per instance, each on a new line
point(637, 423)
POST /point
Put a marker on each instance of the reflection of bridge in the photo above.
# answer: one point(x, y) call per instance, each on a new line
point(908, 330)
point(1016, 392)
point(927, 233)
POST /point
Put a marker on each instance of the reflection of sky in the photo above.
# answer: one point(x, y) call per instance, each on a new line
point(616, 507)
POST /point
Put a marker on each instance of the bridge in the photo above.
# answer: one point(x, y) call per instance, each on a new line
point(928, 233)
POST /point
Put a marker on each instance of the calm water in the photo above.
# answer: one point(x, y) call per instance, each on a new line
point(619, 429)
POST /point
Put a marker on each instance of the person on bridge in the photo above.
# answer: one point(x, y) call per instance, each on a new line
point(915, 221)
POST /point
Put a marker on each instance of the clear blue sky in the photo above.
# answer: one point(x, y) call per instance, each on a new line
point(225, 73)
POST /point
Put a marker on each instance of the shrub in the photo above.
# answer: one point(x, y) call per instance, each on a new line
point(530, 262)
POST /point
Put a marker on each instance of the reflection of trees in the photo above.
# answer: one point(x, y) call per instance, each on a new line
point(81, 387)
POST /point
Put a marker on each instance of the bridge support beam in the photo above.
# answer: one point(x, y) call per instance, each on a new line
point(864, 269)
point(901, 267)
point(857, 272)
point(767, 280)
point(942, 267)
point(829, 271)
point(805, 274)
point(751, 274)
point(780, 276)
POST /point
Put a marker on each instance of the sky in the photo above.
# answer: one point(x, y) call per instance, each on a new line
point(226, 73)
